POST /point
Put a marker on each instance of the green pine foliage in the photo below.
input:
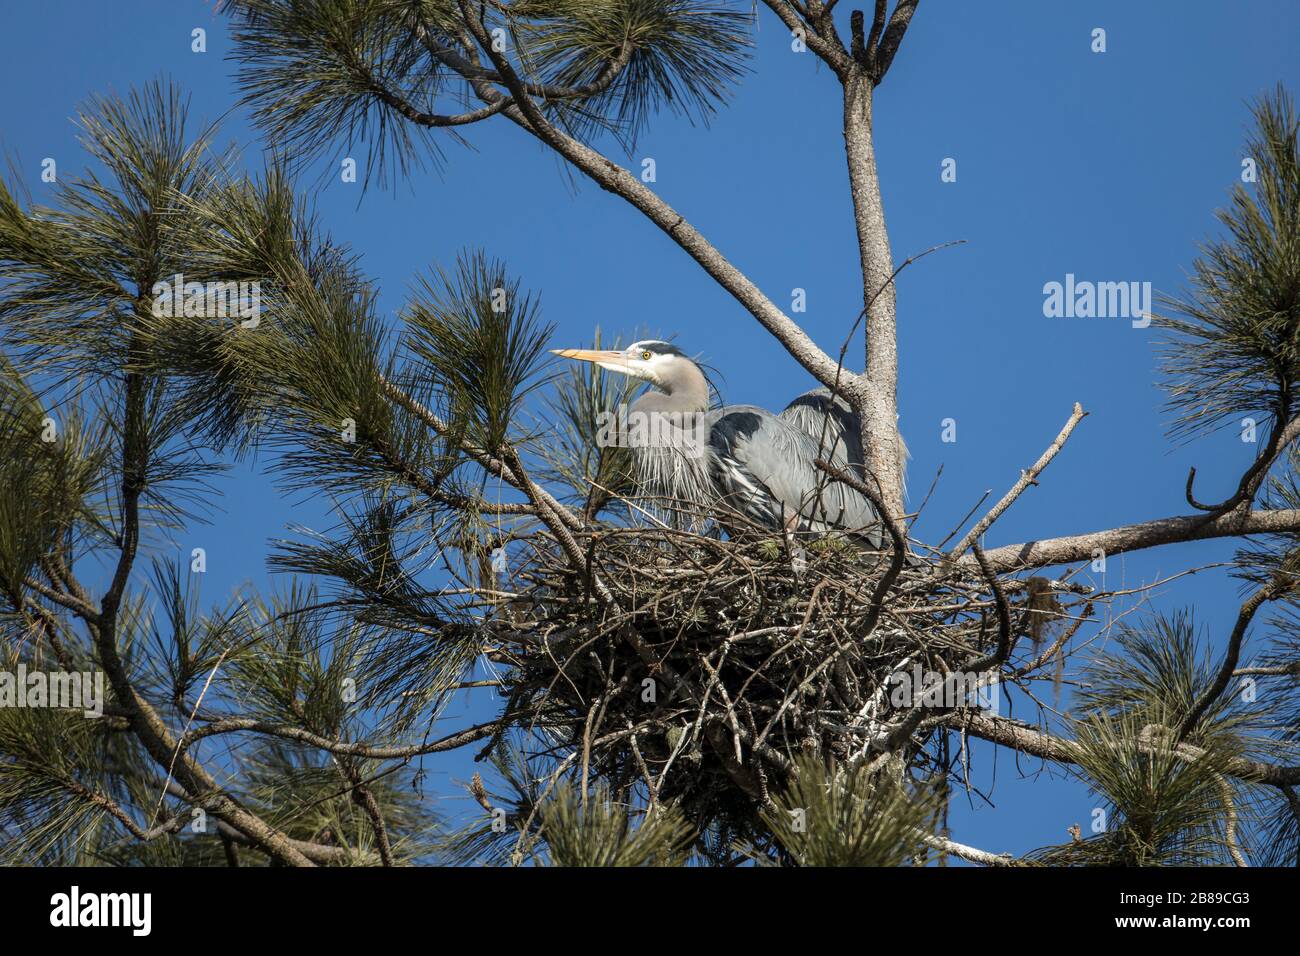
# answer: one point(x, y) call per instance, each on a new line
point(1234, 344)
point(314, 710)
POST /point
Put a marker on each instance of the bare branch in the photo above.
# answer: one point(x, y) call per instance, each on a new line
point(1027, 478)
point(1003, 651)
point(896, 533)
point(422, 118)
point(968, 853)
point(615, 179)
point(363, 797)
point(314, 853)
point(1274, 589)
point(229, 725)
point(893, 38)
point(1030, 740)
point(1135, 537)
point(1230, 821)
point(818, 32)
point(1279, 438)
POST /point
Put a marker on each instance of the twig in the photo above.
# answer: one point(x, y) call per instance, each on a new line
point(1275, 588)
point(1027, 478)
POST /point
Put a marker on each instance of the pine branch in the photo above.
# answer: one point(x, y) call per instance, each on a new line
point(1029, 740)
point(1136, 537)
point(614, 178)
point(341, 748)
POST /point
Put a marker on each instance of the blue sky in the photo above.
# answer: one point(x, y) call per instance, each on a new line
point(1107, 166)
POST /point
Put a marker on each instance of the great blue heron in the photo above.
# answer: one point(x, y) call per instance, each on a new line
point(835, 426)
point(740, 458)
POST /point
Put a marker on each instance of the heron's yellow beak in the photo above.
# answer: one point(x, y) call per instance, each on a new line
point(591, 355)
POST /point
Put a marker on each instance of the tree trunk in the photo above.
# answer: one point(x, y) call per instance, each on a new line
point(877, 398)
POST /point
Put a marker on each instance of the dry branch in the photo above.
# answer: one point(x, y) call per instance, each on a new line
point(1027, 478)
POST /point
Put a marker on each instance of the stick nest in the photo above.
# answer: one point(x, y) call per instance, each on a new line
point(719, 661)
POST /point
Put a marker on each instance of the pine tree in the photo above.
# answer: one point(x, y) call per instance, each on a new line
point(660, 696)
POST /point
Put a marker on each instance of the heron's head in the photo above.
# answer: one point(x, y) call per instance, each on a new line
point(661, 364)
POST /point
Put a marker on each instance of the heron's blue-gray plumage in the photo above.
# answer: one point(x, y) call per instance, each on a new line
point(831, 423)
point(836, 427)
point(740, 461)
point(763, 468)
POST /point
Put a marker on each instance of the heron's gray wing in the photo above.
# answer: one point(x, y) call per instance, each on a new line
point(764, 467)
point(729, 433)
point(833, 425)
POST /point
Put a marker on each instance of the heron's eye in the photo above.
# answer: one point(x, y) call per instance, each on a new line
point(645, 356)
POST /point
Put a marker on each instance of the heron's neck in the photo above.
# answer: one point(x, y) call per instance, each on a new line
point(686, 391)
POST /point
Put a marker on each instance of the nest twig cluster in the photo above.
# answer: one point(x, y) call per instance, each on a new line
point(719, 661)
